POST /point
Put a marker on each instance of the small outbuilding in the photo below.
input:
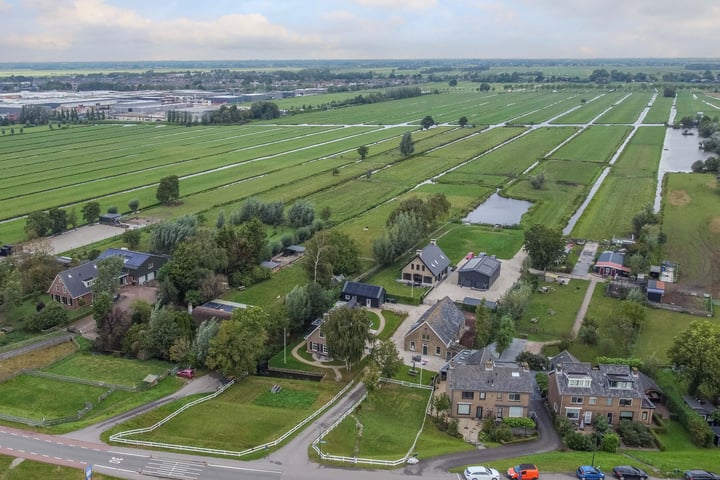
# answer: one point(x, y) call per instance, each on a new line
point(655, 290)
point(479, 272)
point(611, 263)
point(371, 296)
point(110, 218)
point(293, 250)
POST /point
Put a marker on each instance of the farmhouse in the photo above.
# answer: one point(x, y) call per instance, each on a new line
point(429, 266)
point(138, 267)
point(438, 331)
point(72, 288)
point(479, 272)
point(611, 264)
point(315, 342)
point(371, 296)
point(580, 392)
point(480, 386)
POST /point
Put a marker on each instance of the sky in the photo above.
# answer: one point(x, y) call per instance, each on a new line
point(126, 30)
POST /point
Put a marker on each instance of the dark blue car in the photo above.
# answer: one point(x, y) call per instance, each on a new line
point(587, 472)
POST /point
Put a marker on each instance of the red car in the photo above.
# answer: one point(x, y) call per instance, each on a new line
point(186, 373)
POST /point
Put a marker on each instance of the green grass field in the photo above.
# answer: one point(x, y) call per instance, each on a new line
point(383, 427)
point(692, 225)
point(555, 311)
point(240, 418)
point(104, 368)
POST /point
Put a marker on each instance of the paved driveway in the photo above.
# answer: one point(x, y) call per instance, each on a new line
point(585, 260)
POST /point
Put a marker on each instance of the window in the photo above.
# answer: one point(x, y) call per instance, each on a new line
point(499, 396)
point(575, 399)
point(573, 413)
point(406, 276)
point(514, 397)
point(579, 382)
point(468, 395)
point(499, 412)
point(324, 349)
point(313, 346)
point(645, 416)
point(412, 266)
point(592, 400)
point(625, 402)
point(463, 409)
point(609, 401)
point(412, 346)
point(150, 266)
point(620, 384)
point(423, 268)
point(57, 287)
point(482, 395)
point(626, 416)
point(347, 297)
point(437, 350)
point(425, 336)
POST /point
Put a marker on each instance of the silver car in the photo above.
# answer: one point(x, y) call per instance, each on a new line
point(479, 472)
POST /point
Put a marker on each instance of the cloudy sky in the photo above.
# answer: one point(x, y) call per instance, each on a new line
point(92, 30)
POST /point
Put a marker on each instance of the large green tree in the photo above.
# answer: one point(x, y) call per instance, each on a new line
point(363, 151)
point(347, 331)
point(483, 326)
point(329, 253)
point(407, 146)
point(90, 212)
point(544, 245)
point(427, 122)
point(168, 189)
point(696, 352)
point(385, 354)
point(239, 343)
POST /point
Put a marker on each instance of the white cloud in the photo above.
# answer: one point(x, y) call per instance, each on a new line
point(397, 4)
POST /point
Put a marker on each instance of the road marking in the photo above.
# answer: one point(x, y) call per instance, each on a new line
point(115, 460)
point(244, 469)
point(129, 454)
point(114, 468)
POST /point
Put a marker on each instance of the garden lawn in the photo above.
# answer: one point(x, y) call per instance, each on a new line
point(35, 359)
point(243, 416)
point(383, 427)
point(456, 240)
point(108, 369)
point(392, 322)
point(285, 359)
point(266, 293)
point(555, 311)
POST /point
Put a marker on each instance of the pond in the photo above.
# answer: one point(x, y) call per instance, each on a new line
point(498, 210)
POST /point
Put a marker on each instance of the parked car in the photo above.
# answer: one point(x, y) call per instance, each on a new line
point(524, 471)
point(700, 475)
point(627, 472)
point(469, 255)
point(186, 373)
point(587, 472)
point(478, 472)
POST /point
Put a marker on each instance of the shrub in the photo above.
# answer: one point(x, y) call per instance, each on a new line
point(287, 240)
point(112, 210)
point(635, 434)
point(535, 361)
point(564, 425)
point(578, 441)
point(542, 383)
point(519, 422)
point(610, 443)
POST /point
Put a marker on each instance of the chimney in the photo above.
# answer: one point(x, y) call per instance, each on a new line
point(525, 367)
point(558, 367)
point(433, 241)
point(635, 372)
point(190, 308)
point(488, 364)
point(418, 253)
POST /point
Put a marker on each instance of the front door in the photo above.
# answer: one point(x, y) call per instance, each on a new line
point(609, 416)
point(425, 349)
point(368, 303)
point(588, 418)
point(478, 412)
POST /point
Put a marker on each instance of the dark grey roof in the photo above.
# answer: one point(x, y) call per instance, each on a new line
point(434, 259)
point(480, 370)
point(474, 302)
point(562, 358)
point(611, 257)
point(646, 383)
point(600, 378)
point(270, 265)
point(444, 318)
point(698, 405)
point(76, 279)
point(295, 249)
point(483, 264)
point(362, 290)
point(131, 260)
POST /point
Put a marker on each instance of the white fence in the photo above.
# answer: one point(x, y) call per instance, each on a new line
point(120, 437)
point(371, 461)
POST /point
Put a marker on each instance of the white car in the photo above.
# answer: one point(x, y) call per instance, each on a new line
point(479, 472)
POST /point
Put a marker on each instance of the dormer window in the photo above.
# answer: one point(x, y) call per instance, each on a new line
point(580, 382)
point(620, 385)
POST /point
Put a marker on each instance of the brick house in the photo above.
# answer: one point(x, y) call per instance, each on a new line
point(427, 267)
point(315, 341)
point(72, 288)
point(479, 386)
point(581, 391)
point(438, 331)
